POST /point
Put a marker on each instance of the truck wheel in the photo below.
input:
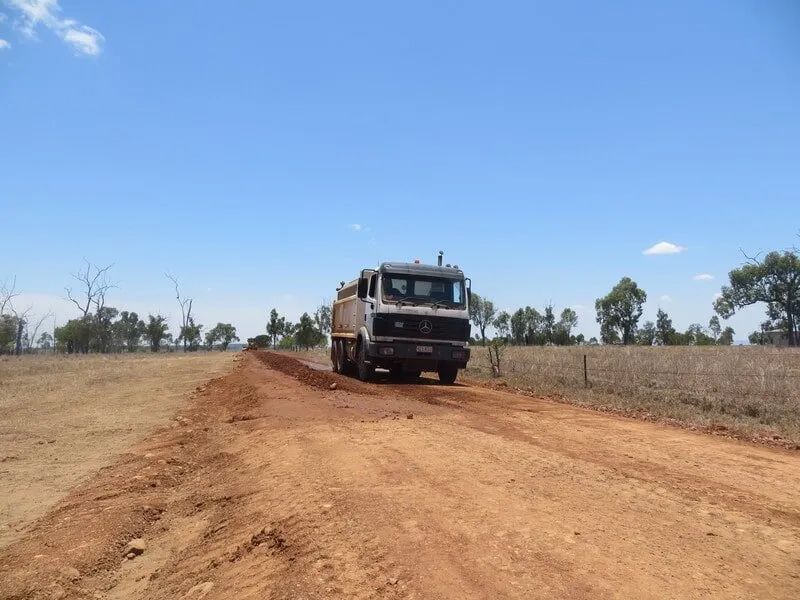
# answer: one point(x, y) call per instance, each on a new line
point(448, 374)
point(341, 357)
point(365, 371)
point(335, 356)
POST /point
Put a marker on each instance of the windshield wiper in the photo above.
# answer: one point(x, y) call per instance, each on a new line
point(443, 303)
point(407, 298)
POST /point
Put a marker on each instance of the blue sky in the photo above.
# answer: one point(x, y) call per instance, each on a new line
point(264, 151)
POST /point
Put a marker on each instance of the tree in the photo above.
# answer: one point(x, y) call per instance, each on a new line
point(618, 313)
point(260, 341)
point(307, 335)
point(726, 337)
point(95, 283)
point(549, 324)
point(102, 328)
point(155, 331)
point(502, 324)
point(186, 313)
point(775, 281)
point(518, 327)
point(481, 312)
point(646, 335)
point(534, 327)
point(288, 335)
point(32, 328)
point(696, 336)
point(75, 335)
point(129, 330)
point(665, 332)
point(563, 329)
point(45, 341)
point(8, 291)
point(224, 333)
point(275, 326)
point(8, 333)
point(190, 336)
point(714, 327)
point(322, 318)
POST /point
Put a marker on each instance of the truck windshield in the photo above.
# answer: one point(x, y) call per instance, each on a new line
point(415, 289)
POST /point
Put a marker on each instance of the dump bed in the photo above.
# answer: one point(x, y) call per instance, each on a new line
point(343, 315)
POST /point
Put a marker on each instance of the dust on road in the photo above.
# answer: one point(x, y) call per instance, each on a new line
point(275, 486)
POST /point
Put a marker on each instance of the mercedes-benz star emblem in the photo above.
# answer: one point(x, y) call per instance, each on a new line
point(425, 326)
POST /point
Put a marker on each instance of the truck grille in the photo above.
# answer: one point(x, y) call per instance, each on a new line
point(412, 326)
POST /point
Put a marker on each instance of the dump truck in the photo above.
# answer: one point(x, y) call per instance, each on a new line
point(404, 317)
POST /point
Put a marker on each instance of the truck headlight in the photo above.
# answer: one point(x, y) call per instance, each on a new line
point(386, 351)
point(459, 354)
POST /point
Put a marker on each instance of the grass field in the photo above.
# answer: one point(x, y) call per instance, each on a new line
point(62, 417)
point(749, 391)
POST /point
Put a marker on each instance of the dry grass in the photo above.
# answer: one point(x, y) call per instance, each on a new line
point(749, 391)
point(62, 417)
point(746, 391)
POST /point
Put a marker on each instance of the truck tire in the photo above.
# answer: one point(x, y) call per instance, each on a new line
point(365, 371)
point(345, 365)
point(447, 374)
point(335, 356)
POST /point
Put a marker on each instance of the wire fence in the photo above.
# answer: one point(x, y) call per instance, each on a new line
point(731, 373)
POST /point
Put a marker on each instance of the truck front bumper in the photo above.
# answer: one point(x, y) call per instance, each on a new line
point(412, 355)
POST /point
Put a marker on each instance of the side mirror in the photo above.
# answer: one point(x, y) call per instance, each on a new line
point(468, 281)
point(363, 285)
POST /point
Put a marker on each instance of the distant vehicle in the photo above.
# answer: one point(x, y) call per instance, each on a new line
point(405, 317)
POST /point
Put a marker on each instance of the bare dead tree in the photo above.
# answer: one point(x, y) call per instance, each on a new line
point(96, 284)
point(8, 291)
point(186, 308)
point(22, 322)
point(30, 334)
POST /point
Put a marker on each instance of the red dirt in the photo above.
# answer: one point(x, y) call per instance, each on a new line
point(274, 486)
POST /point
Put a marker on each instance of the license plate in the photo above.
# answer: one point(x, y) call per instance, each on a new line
point(424, 349)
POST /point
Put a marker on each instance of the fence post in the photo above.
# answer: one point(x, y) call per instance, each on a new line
point(585, 373)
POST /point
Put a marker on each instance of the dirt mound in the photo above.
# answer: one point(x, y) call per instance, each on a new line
point(307, 375)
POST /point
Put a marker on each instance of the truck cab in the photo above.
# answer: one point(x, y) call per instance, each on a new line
point(405, 317)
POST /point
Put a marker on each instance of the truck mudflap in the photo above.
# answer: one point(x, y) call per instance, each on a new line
point(428, 353)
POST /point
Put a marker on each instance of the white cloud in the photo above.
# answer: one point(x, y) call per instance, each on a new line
point(3, 17)
point(4, 44)
point(665, 299)
point(664, 248)
point(83, 39)
point(356, 226)
point(703, 277)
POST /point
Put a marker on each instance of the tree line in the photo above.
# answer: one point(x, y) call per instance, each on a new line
point(773, 280)
point(101, 328)
point(309, 332)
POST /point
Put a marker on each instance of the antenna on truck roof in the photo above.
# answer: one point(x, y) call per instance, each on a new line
point(441, 254)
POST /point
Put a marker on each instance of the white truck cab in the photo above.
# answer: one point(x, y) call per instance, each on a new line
point(405, 317)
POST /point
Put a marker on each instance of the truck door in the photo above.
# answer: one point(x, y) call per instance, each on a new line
point(370, 308)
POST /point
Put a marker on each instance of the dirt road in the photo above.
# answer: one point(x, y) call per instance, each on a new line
point(275, 486)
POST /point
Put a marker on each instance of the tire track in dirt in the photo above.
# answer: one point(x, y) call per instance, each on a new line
point(271, 485)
